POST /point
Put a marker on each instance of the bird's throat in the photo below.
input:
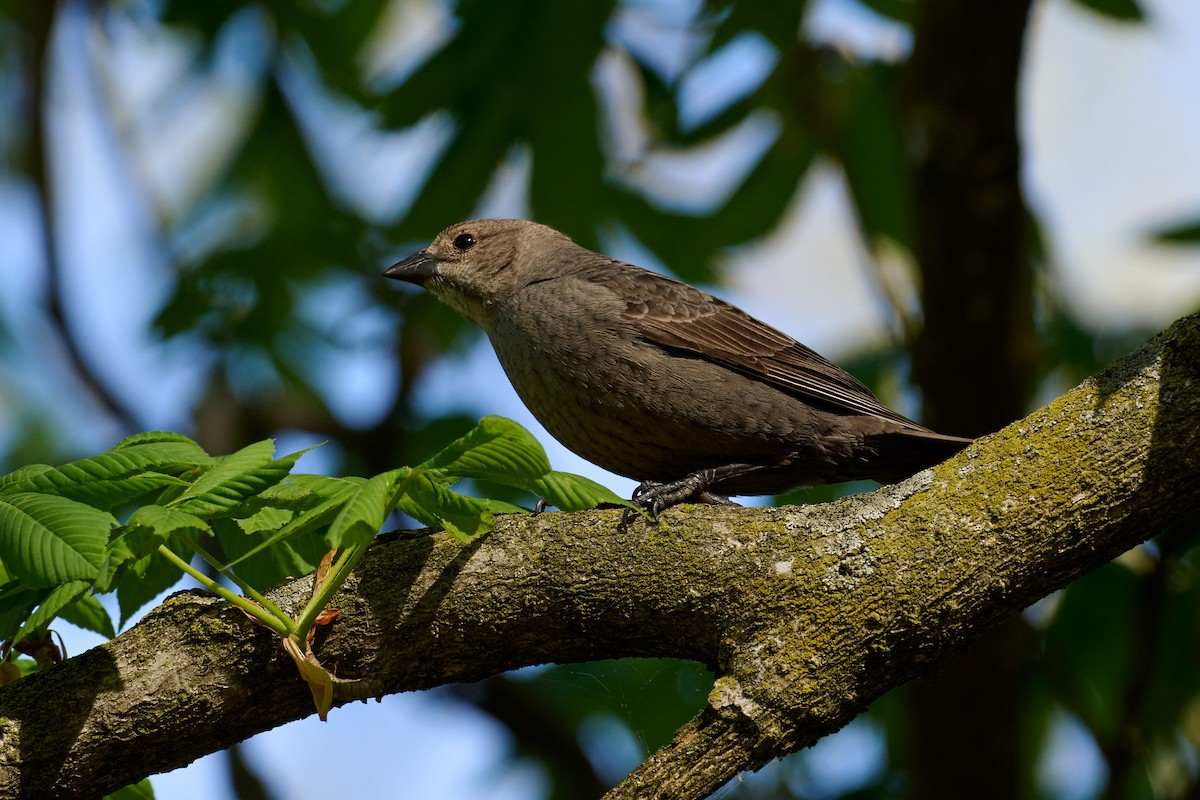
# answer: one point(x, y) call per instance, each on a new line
point(469, 306)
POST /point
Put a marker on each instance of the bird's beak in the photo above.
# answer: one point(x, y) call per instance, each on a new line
point(417, 268)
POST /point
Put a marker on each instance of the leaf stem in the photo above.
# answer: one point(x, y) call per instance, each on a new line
point(347, 560)
point(322, 594)
point(255, 611)
point(246, 588)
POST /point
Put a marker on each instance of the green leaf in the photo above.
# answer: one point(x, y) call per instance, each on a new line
point(569, 492)
point(142, 790)
point(16, 604)
point(497, 449)
point(300, 489)
point(267, 566)
point(88, 613)
point(131, 457)
point(113, 477)
point(1090, 639)
point(158, 437)
point(320, 498)
point(364, 512)
point(223, 486)
point(47, 540)
point(22, 474)
point(330, 32)
point(148, 577)
point(1122, 10)
point(118, 556)
point(59, 598)
point(269, 518)
point(153, 525)
point(501, 451)
point(234, 478)
point(499, 506)
point(426, 499)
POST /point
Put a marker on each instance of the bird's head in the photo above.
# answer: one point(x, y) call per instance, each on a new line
point(473, 264)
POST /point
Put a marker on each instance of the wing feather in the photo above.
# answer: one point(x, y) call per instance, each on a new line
point(679, 317)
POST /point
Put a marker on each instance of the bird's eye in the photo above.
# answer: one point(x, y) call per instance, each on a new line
point(464, 241)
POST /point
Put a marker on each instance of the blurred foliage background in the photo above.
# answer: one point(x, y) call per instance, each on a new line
point(196, 200)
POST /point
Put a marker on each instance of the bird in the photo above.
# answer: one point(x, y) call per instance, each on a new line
point(659, 381)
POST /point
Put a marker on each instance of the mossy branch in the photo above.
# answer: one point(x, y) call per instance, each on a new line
point(805, 614)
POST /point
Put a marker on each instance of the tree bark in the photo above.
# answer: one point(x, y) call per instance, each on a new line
point(805, 614)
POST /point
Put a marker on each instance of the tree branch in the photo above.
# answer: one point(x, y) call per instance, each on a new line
point(806, 614)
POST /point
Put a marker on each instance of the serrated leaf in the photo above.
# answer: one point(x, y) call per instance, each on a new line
point(328, 494)
point(269, 518)
point(148, 577)
point(291, 494)
point(324, 485)
point(157, 437)
point(211, 492)
point(500, 507)
point(269, 565)
point(497, 449)
point(364, 511)
point(16, 604)
point(166, 455)
point(299, 493)
point(502, 451)
point(88, 613)
point(152, 525)
point(59, 598)
point(47, 540)
point(106, 494)
point(570, 492)
point(113, 477)
point(117, 558)
point(23, 474)
point(427, 500)
point(235, 478)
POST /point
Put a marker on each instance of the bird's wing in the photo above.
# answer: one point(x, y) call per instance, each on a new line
point(682, 318)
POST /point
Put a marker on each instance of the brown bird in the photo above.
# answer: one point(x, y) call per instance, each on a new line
point(659, 381)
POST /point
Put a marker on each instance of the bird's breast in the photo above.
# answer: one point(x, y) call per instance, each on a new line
point(630, 406)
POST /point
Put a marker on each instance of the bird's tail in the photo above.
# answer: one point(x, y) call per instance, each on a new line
point(903, 454)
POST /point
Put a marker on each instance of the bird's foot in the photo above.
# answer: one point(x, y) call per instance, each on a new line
point(714, 499)
point(653, 497)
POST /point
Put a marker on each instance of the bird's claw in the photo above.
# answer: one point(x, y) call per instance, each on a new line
point(647, 505)
point(652, 498)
